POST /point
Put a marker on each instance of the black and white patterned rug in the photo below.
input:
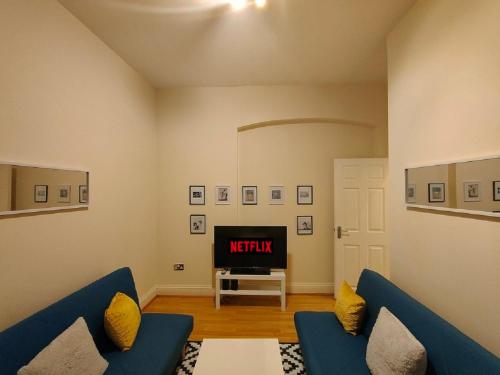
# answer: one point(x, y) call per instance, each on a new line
point(291, 356)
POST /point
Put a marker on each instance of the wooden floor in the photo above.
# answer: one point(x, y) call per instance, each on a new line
point(242, 316)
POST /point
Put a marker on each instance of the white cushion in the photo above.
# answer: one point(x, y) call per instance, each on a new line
point(392, 349)
point(72, 352)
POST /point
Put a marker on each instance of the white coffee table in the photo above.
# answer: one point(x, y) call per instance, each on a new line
point(239, 357)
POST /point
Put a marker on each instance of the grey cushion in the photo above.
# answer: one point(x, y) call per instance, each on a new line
point(392, 349)
point(72, 352)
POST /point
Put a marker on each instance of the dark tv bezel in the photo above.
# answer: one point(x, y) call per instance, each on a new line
point(256, 231)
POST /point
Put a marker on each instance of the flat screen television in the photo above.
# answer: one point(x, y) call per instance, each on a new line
point(250, 247)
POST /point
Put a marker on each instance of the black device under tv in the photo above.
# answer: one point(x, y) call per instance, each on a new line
point(250, 250)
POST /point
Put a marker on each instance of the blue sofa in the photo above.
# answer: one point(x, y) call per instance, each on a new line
point(329, 350)
point(157, 349)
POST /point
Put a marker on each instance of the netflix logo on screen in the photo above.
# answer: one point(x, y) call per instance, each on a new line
point(250, 246)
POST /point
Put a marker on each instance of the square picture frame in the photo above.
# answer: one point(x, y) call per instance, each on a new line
point(436, 192)
point(64, 194)
point(41, 193)
point(305, 194)
point(276, 194)
point(197, 195)
point(223, 194)
point(304, 225)
point(411, 193)
point(472, 191)
point(198, 224)
point(249, 195)
point(496, 191)
point(83, 194)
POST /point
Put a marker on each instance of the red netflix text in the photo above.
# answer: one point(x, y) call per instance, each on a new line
point(251, 246)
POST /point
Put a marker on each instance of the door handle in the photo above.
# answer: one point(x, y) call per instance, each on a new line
point(342, 232)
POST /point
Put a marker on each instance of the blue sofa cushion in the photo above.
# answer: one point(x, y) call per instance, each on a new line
point(157, 348)
point(448, 350)
point(328, 349)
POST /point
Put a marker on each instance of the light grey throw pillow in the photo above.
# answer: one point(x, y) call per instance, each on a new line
point(72, 352)
point(393, 350)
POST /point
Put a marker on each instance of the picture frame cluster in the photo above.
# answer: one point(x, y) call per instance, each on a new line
point(63, 194)
point(249, 197)
point(436, 192)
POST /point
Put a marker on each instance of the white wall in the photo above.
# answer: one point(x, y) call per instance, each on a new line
point(68, 100)
point(198, 145)
point(444, 95)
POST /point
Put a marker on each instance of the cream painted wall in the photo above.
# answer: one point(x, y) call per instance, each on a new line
point(67, 100)
point(291, 155)
point(444, 90)
point(198, 145)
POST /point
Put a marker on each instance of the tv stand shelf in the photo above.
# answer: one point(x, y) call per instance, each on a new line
point(274, 276)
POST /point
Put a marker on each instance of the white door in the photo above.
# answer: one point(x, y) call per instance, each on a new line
point(360, 216)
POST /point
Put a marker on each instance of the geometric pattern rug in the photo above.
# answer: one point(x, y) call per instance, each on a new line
point(291, 357)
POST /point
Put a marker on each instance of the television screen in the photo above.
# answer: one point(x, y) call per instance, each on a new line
point(249, 247)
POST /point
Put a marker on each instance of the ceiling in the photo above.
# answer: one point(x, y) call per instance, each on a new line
point(206, 43)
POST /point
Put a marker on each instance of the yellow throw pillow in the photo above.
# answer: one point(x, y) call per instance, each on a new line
point(350, 309)
point(122, 319)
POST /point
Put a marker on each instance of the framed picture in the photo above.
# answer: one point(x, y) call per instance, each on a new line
point(41, 193)
point(222, 195)
point(84, 194)
point(64, 193)
point(304, 225)
point(197, 224)
point(196, 195)
point(436, 192)
point(411, 193)
point(304, 194)
point(496, 191)
point(249, 194)
point(276, 195)
point(472, 191)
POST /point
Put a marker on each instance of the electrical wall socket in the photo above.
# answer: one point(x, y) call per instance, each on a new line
point(178, 266)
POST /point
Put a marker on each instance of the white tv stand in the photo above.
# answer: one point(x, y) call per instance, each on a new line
point(275, 275)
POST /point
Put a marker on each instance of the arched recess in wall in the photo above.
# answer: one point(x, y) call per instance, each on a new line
point(292, 152)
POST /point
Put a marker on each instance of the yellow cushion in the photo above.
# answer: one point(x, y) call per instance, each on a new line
point(350, 309)
point(122, 319)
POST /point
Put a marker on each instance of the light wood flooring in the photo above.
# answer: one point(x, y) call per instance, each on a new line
point(242, 316)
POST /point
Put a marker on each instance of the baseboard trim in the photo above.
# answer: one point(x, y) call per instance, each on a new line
point(148, 296)
point(185, 290)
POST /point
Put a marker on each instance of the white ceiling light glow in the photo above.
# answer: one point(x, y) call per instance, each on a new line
point(238, 4)
point(260, 3)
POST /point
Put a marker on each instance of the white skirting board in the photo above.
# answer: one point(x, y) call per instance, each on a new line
point(208, 290)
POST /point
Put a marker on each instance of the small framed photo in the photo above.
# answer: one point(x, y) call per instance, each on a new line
point(276, 195)
point(411, 193)
point(304, 225)
point(83, 194)
point(222, 195)
point(436, 193)
point(64, 193)
point(472, 191)
point(196, 195)
point(304, 194)
point(249, 195)
point(496, 191)
point(197, 224)
point(41, 193)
